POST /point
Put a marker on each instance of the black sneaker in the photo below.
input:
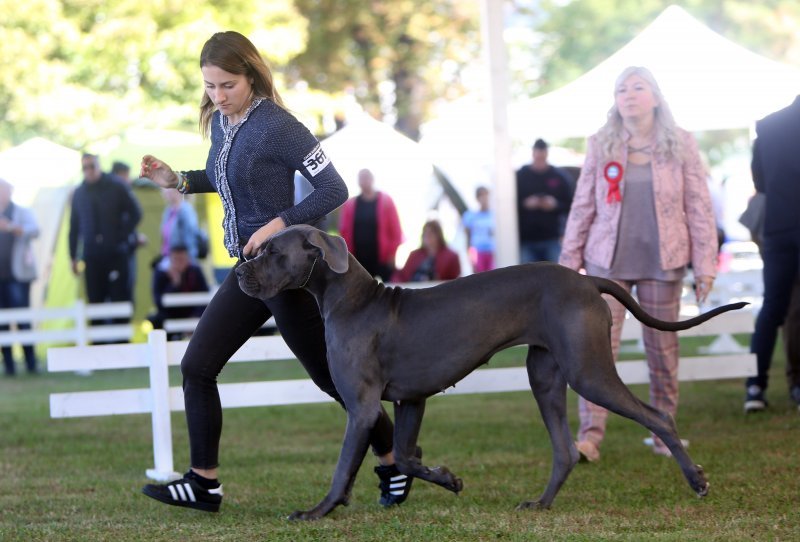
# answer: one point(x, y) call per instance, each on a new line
point(187, 492)
point(395, 486)
point(754, 401)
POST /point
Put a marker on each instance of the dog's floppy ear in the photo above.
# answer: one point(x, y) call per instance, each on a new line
point(333, 248)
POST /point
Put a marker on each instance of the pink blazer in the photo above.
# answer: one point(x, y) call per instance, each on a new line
point(685, 217)
point(390, 235)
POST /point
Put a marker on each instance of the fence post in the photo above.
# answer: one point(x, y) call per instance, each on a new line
point(81, 324)
point(163, 470)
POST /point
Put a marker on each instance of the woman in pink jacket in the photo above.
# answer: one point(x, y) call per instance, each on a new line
point(641, 213)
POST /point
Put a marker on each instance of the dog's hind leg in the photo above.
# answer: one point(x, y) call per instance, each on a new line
point(598, 382)
point(550, 390)
point(407, 423)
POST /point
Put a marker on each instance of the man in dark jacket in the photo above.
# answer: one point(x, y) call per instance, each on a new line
point(776, 174)
point(544, 197)
point(104, 217)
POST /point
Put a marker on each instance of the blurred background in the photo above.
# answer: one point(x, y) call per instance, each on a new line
point(398, 86)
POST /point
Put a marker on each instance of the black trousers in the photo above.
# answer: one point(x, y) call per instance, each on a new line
point(781, 255)
point(15, 294)
point(107, 280)
point(107, 277)
point(229, 320)
point(791, 337)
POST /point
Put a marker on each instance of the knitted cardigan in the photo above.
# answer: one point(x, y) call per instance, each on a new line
point(251, 165)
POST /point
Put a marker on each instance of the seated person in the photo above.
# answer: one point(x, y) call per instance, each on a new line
point(432, 261)
point(179, 275)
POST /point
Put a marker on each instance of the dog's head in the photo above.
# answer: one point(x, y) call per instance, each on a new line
point(289, 258)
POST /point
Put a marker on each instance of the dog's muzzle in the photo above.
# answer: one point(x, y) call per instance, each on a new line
point(247, 280)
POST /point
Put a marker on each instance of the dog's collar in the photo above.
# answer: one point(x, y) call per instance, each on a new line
point(309, 274)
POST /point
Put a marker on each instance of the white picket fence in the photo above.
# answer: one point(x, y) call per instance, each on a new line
point(202, 299)
point(191, 299)
point(159, 399)
point(75, 320)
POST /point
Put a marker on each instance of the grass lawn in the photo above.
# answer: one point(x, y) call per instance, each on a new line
point(80, 479)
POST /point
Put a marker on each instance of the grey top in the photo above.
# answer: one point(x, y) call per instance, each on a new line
point(636, 255)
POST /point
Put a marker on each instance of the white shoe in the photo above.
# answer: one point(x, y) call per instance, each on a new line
point(649, 442)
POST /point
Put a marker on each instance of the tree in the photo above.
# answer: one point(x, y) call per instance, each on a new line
point(395, 57)
point(81, 70)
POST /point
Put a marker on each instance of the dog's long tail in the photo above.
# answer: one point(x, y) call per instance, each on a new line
point(612, 288)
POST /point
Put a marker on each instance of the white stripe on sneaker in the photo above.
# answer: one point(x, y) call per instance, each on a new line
point(217, 491)
point(172, 491)
point(189, 492)
point(399, 477)
point(398, 484)
point(180, 491)
point(397, 492)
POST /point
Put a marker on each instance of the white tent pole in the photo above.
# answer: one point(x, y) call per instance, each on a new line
point(504, 193)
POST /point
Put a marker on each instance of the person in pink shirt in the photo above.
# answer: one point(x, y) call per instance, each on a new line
point(370, 226)
point(640, 215)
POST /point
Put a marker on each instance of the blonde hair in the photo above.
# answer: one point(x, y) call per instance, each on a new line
point(234, 53)
point(611, 137)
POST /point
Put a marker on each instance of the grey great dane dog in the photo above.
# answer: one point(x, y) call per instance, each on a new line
point(404, 345)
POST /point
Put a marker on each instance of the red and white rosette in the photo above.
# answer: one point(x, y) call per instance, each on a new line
point(613, 174)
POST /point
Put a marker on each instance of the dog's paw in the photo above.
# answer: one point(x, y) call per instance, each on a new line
point(303, 515)
point(446, 479)
point(532, 505)
point(455, 485)
point(701, 486)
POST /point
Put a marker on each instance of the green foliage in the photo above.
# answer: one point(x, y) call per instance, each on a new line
point(417, 46)
point(77, 71)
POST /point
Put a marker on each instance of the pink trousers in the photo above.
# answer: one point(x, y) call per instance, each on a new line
point(662, 300)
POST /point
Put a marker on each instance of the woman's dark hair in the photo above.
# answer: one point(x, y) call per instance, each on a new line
point(234, 53)
point(435, 228)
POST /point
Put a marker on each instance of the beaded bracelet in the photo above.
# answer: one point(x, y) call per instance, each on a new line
point(183, 183)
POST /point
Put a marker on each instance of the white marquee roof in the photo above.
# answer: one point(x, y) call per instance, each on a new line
point(709, 82)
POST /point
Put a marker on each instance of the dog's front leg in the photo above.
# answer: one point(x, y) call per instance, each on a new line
point(356, 441)
point(408, 421)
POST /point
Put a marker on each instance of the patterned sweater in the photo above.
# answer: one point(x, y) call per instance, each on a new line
point(251, 165)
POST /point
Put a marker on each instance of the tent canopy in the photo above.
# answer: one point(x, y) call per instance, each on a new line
point(709, 82)
point(36, 164)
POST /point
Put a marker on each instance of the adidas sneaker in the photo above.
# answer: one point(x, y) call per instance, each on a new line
point(187, 492)
point(394, 485)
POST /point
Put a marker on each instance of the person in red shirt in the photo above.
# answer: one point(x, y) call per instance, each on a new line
point(432, 261)
point(370, 226)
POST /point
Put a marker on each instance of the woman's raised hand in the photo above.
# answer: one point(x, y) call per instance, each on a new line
point(159, 172)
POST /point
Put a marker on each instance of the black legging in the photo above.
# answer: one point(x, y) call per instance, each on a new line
point(229, 320)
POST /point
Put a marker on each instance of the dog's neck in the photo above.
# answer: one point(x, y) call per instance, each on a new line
point(342, 290)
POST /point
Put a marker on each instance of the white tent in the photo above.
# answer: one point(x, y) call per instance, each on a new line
point(38, 163)
point(710, 83)
point(42, 173)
